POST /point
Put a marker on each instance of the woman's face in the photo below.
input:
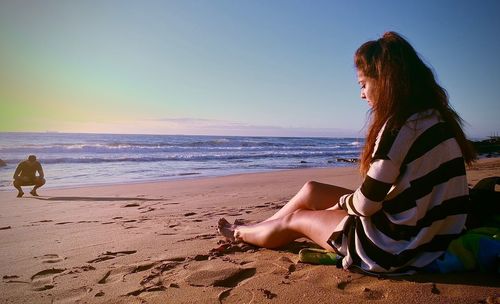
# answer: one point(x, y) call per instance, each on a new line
point(367, 88)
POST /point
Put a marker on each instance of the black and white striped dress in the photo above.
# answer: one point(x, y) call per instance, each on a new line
point(412, 202)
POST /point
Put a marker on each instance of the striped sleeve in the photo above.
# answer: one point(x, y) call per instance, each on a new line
point(382, 174)
point(367, 199)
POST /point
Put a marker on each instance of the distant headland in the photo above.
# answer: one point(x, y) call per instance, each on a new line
point(489, 147)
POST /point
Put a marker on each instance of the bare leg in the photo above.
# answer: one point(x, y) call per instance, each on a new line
point(39, 182)
point(315, 225)
point(20, 192)
point(312, 196)
point(311, 213)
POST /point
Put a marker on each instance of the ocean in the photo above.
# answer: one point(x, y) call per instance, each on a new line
point(70, 159)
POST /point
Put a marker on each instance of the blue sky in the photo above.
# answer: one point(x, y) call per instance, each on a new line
point(278, 68)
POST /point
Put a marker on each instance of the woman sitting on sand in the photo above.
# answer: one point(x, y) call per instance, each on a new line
point(412, 201)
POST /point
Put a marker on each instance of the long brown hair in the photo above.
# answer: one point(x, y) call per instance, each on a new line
point(404, 85)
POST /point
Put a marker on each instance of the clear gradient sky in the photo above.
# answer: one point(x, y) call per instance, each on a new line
point(278, 68)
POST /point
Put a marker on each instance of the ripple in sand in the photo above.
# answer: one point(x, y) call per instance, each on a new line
point(99, 294)
point(146, 289)
point(131, 205)
point(108, 255)
point(6, 277)
point(45, 273)
point(104, 278)
point(148, 210)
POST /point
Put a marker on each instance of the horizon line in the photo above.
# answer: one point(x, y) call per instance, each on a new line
point(165, 134)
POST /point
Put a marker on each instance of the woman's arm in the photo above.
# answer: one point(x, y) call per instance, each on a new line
point(40, 170)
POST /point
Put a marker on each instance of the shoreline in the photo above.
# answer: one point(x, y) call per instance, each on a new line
point(480, 162)
point(180, 178)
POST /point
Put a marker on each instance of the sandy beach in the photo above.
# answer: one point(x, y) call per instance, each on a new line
point(157, 243)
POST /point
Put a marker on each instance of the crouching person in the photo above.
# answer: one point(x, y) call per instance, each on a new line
point(26, 175)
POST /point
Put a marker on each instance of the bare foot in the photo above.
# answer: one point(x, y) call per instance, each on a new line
point(227, 229)
point(20, 194)
point(33, 192)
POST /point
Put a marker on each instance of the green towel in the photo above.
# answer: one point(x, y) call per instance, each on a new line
point(318, 256)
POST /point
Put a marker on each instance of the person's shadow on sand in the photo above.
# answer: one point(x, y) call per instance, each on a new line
point(474, 278)
point(94, 198)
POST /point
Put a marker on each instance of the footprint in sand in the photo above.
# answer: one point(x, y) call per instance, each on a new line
point(218, 274)
point(238, 296)
point(224, 275)
point(157, 287)
point(12, 279)
point(108, 255)
point(371, 294)
point(8, 277)
point(75, 295)
point(44, 279)
point(159, 269)
point(120, 273)
point(154, 280)
point(80, 269)
point(51, 258)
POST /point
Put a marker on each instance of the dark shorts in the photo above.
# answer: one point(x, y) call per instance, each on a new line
point(29, 181)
